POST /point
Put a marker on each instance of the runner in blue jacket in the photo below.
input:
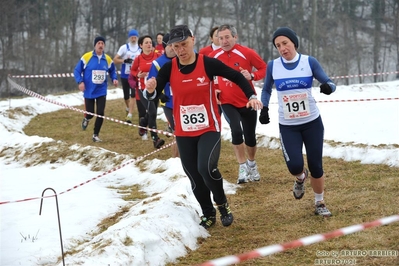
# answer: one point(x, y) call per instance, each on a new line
point(300, 122)
point(91, 76)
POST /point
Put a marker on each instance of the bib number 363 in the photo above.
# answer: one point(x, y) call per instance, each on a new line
point(193, 117)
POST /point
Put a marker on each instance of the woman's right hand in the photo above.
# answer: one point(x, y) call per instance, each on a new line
point(151, 85)
point(142, 74)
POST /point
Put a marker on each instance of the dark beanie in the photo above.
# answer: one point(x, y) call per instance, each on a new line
point(97, 39)
point(179, 33)
point(165, 39)
point(287, 32)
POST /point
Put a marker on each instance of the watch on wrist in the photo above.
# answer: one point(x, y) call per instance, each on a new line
point(252, 76)
point(253, 97)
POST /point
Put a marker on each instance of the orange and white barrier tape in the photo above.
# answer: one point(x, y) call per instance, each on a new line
point(360, 100)
point(94, 178)
point(268, 250)
point(365, 75)
point(36, 95)
point(62, 75)
point(354, 100)
point(59, 75)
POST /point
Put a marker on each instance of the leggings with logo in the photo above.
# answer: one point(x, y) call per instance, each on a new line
point(292, 139)
point(199, 157)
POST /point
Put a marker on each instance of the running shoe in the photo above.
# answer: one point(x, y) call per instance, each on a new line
point(96, 138)
point(129, 119)
point(225, 214)
point(170, 130)
point(321, 209)
point(299, 187)
point(85, 123)
point(143, 124)
point(207, 222)
point(253, 173)
point(158, 142)
point(243, 174)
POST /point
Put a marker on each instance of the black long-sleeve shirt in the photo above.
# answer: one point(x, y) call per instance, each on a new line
point(213, 67)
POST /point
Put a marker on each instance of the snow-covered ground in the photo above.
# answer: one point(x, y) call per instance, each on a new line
point(158, 229)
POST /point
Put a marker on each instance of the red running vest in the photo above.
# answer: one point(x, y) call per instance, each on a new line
point(195, 109)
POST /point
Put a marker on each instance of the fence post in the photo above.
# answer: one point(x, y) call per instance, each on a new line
point(59, 221)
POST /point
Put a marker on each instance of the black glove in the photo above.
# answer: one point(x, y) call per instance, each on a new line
point(163, 98)
point(128, 61)
point(325, 88)
point(264, 116)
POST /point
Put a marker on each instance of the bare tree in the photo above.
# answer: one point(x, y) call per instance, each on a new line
point(347, 36)
point(395, 7)
point(378, 8)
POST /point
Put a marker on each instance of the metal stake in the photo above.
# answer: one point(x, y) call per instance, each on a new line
point(59, 221)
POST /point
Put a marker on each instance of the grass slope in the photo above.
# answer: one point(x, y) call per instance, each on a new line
point(265, 212)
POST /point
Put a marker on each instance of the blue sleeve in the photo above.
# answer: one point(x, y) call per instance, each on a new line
point(77, 73)
point(319, 74)
point(153, 71)
point(112, 72)
point(268, 84)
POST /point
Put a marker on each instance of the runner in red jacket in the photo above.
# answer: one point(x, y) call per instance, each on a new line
point(242, 120)
point(147, 109)
point(213, 36)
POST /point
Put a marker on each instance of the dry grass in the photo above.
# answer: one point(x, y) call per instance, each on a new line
point(265, 212)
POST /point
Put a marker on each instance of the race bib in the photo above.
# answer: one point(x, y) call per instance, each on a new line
point(98, 76)
point(296, 105)
point(127, 68)
point(193, 117)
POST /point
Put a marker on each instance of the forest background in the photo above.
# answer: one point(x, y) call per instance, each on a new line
point(348, 37)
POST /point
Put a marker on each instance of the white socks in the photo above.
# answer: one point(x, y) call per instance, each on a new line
point(318, 197)
point(251, 163)
point(300, 177)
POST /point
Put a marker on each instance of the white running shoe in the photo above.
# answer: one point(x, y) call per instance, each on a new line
point(253, 173)
point(96, 138)
point(243, 174)
point(321, 209)
point(299, 186)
